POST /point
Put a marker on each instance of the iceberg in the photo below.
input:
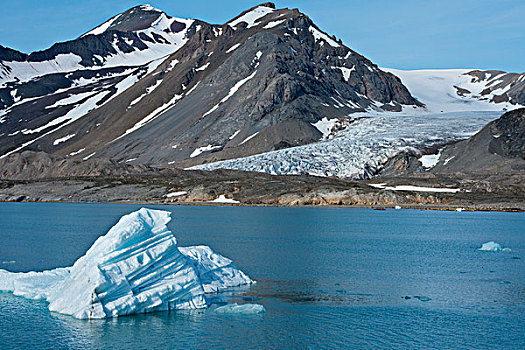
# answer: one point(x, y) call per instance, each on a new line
point(493, 247)
point(244, 309)
point(136, 267)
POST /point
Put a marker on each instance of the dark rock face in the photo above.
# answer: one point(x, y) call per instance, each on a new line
point(402, 164)
point(499, 148)
point(135, 19)
point(40, 165)
point(230, 91)
point(509, 135)
point(7, 54)
point(512, 83)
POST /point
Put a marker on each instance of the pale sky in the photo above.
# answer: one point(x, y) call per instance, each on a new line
point(403, 34)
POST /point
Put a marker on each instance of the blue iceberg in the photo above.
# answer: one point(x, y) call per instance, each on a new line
point(136, 267)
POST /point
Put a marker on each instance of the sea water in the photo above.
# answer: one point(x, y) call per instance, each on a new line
point(327, 278)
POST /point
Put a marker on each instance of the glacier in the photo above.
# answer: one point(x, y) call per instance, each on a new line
point(360, 150)
point(136, 267)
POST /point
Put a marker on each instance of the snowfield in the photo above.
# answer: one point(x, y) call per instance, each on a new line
point(435, 88)
point(365, 145)
point(136, 267)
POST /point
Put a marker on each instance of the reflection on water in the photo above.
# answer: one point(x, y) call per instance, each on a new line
point(328, 278)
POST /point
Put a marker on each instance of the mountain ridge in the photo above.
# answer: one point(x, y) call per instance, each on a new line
point(374, 86)
point(147, 88)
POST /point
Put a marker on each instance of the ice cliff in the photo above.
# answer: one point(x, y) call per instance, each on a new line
point(136, 267)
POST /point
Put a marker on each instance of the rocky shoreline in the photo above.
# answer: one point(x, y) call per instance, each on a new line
point(226, 187)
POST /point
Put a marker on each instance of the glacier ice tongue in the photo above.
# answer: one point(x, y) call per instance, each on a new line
point(135, 268)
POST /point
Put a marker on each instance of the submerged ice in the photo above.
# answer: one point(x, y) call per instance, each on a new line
point(244, 309)
point(136, 267)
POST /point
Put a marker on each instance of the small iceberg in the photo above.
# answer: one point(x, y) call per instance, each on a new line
point(136, 267)
point(244, 309)
point(493, 247)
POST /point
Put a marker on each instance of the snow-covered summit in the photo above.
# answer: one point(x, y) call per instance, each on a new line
point(135, 268)
point(132, 38)
point(135, 19)
point(253, 15)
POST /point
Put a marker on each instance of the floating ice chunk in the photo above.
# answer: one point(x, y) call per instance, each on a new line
point(215, 271)
point(493, 247)
point(244, 309)
point(135, 268)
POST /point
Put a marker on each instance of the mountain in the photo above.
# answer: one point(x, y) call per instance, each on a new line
point(267, 91)
point(498, 149)
point(254, 84)
point(44, 91)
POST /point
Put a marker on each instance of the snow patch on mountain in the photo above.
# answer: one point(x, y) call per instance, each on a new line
point(153, 115)
point(325, 126)
point(25, 71)
point(201, 150)
point(103, 27)
point(415, 188)
point(232, 91)
point(318, 35)
point(345, 71)
point(249, 137)
point(274, 23)
point(63, 139)
point(222, 199)
point(70, 99)
point(252, 17)
point(430, 160)
point(233, 48)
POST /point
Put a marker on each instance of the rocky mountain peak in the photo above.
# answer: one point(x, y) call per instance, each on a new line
point(147, 88)
point(139, 18)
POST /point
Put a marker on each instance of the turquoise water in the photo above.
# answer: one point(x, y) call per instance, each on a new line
point(328, 278)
